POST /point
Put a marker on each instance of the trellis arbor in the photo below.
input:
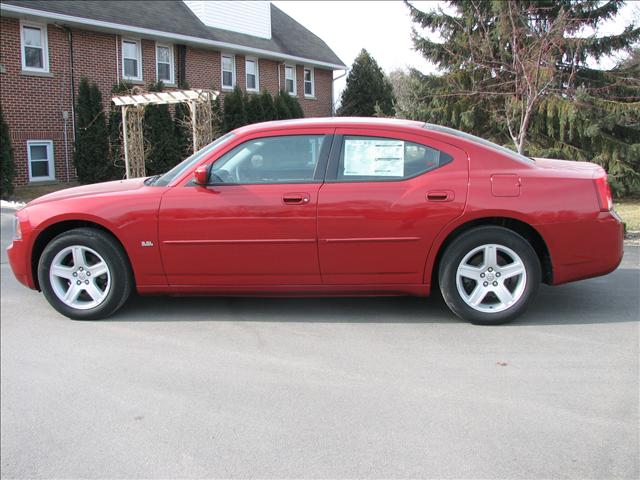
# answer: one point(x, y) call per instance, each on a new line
point(199, 102)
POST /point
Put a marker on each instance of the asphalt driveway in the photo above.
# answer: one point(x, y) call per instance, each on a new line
point(386, 387)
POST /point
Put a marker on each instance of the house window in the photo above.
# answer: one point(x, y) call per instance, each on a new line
point(228, 70)
point(164, 63)
point(290, 79)
point(40, 155)
point(309, 87)
point(131, 59)
point(35, 52)
point(251, 68)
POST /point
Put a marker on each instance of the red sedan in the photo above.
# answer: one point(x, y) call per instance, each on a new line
point(342, 206)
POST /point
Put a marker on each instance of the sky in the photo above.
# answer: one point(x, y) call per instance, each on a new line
point(384, 29)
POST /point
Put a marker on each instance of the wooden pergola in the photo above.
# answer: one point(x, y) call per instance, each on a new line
point(199, 102)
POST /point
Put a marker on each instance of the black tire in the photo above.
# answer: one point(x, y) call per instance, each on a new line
point(466, 243)
point(121, 278)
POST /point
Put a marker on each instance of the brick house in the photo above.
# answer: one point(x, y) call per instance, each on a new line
point(48, 45)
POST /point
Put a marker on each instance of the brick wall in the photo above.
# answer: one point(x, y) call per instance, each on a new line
point(33, 103)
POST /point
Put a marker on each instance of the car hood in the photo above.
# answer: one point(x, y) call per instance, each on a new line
point(91, 190)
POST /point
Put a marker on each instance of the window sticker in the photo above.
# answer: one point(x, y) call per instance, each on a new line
point(374, 157)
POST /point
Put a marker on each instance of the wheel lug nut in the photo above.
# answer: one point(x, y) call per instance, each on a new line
point(75, 274)
point(89, 274)
point(78, 282)
point(87, 282)
point(495, 284)
point(497, 274)
point(485, 283)
point(482, 275)
point(490, 269)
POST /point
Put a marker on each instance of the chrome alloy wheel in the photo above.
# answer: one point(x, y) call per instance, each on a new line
point(80, 277)
point(491, 278)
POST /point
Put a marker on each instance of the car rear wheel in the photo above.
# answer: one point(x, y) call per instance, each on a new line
point(489, 275)
point(84, 274)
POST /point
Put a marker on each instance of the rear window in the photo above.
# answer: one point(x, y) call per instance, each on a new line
point(486, 143)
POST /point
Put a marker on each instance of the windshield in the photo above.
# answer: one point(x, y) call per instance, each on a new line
point(481, 141)
point(186, 164)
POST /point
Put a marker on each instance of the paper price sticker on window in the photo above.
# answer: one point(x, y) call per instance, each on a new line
point(375, 157)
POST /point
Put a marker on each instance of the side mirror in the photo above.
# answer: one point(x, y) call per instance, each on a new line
point(201, 175)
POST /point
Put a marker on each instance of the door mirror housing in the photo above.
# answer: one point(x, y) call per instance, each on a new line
point(201, 175)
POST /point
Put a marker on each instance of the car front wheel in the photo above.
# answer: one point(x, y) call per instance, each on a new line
point(84, 274)
point(489, 275)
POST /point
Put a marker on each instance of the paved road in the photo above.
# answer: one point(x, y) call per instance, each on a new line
point(393, 387)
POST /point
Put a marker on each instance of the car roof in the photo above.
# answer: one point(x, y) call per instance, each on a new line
point(329, 122)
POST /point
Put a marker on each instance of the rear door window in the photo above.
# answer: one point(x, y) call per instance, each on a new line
point(364, 158)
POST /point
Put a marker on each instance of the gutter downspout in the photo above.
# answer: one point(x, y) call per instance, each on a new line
point(73, 84)
point(334, 101)
point(117, 61)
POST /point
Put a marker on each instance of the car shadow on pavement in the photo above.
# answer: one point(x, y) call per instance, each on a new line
point(609, 299)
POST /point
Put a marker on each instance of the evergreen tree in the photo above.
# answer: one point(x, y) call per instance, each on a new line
point(91, 156)
point(255, 112)
point(162, 151)
point(217, 118)
point(234, 110)
point(295, 108)
point(516, 72)
point(268, 108)
point(281, 105)
point(366, 87)
point(7, 166)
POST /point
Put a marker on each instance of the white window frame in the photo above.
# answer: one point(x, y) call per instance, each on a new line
point(172, 79)
point(49, 145)
point(138, 43)
point(313, 82)
point(233, 71)
point(45, 46)
point(295, 86)
point(255, 61)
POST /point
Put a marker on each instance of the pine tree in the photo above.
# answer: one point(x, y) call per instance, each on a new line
point(234, 110)
point(217, 118)
point(268, 108)
point(162, 148)
point(7, 166)
point(255, 112)
point(366, 87)
point(91, 156)
point(281, 105)
point(516, 72)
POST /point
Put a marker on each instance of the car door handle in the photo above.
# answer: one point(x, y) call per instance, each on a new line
point(295, 198)
point(441, 196)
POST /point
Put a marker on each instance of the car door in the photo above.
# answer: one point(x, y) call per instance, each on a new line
point(255, 222)
point(385, 197)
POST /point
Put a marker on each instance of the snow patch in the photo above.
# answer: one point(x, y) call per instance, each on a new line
point(13, 205)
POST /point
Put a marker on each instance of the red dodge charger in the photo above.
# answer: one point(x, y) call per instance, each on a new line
point(342, 206)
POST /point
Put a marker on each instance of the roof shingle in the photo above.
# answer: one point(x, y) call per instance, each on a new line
point(287, 36)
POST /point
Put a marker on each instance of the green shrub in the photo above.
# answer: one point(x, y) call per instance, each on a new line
point(91, 156)
point(7, 166)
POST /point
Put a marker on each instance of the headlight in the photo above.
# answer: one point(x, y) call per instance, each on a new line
point(17, 232)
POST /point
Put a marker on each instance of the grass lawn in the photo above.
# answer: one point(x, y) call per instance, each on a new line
point(629, 210)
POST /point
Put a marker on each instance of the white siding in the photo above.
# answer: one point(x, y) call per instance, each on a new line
point(252, 18)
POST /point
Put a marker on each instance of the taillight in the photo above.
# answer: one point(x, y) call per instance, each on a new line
point(604, 193)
